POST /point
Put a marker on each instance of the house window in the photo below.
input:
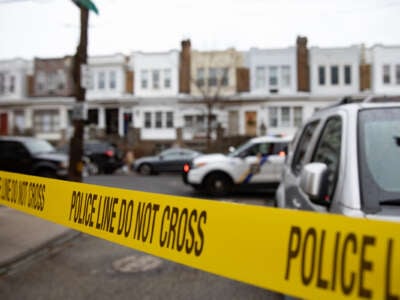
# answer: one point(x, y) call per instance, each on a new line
point(386, 74)
point(273, 116)
point(167, 78)
point(260, 77)
point(156, 79)
point(347, 74)
point(113, 80)
point(212, 79)
point(321, 75)
point(144, 79)
point(2, 83)
point(46, 121)
point(90, 80)
point(12, 84)
point(200, 77)
point(158, 119)
point(61, 80)
point(188, 122)
point(147, 120)
point(397, 74)
point(40, 81)
point(170, 119)
point(273, 75)
point(297, 116)
point(334, 75)
point(52, 81)
point(102, 81)
point(285, 76)
point(224, 76)
point(285, 116)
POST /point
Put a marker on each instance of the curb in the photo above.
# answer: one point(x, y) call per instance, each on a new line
point(28, 257)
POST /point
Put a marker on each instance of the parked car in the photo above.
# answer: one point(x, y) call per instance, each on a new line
point(256, 164)
point(346, 160)
point(102, 156)
point(32, 156)
point(170, 160)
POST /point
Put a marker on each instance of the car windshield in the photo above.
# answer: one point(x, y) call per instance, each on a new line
point(379, 152)
point(239, 150)
point(39, 146)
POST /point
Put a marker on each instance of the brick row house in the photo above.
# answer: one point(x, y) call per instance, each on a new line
point(164, 98)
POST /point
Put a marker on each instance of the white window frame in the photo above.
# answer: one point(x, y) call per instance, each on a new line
point(147, 120)
point(167, 78)
point(101, 80)
point(286, 78)
point(260, 77)
point(386, 78)
point(169, 119)
point(112, 80)
point(155, 77)
point(273, 75)
point(158, 119)
point(144, 79)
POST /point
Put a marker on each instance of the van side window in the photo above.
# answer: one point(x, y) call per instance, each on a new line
point(328, 150)
point(299, 155)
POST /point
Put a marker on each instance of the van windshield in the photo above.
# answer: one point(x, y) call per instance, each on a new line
point(379, 152)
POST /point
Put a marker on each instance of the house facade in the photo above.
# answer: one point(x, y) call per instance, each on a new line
point(385, 61)
point(14, 82)
point(165, 98)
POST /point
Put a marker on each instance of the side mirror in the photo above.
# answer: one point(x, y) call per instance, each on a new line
point(314, 182)
point(231, 149)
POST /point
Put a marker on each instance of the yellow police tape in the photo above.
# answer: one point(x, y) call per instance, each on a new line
point(307, 255)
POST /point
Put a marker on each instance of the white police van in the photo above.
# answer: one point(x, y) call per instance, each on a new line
point(256, 164)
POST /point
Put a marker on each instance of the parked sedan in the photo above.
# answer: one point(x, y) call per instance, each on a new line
point(170, 160)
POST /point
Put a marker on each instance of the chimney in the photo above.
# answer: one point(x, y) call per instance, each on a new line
point(243, 80)
point(129, 84)
point(365, 71)
point(184, 69)
point(303, 79)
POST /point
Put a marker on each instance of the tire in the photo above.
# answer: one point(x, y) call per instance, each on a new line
point(145, 169)
point(218, 184)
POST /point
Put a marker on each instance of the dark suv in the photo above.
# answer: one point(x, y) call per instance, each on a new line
point(32, 156)
point(104, 157)
point(107, 157)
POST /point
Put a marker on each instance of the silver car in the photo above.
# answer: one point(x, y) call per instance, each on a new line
point(346, 160)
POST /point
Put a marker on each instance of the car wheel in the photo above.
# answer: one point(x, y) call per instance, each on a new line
point(145, 169)
point(218, 184)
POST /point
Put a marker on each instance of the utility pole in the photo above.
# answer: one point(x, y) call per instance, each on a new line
point(80, 59)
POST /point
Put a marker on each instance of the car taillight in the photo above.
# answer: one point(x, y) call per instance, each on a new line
point(109, 153)
point(186, 168)
point(282, 153)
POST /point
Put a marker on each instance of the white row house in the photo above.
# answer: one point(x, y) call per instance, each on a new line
point(385, 62)
point(335, 71)
point(272, 71)
point(160, 97)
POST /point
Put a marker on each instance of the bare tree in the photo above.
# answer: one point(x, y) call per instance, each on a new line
point(210, 80)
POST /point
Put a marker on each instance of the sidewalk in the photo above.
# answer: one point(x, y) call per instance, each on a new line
point(22, 236)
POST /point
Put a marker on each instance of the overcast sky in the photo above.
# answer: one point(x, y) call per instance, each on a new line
point(50, 28)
